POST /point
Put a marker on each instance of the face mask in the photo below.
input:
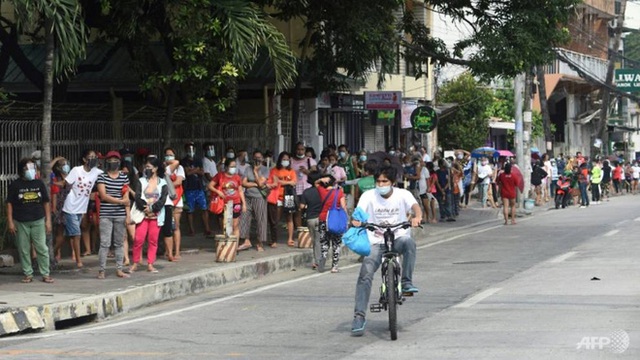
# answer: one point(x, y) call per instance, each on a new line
point(300, 156)
point(246, 158)
point(93, 163)
point(285, 163)
point(169, 158)
point(343, 154)
point(211, 153)
point(383, 190)
point(363, 157)
point(191, 154)
point(459, 156)
point(257, 162)
point(128, 158)
point(113, 166)
point(407, 164)
point(392, 152)
point(148, 173)
point(231, 155)
point(30, 174)
point(66, 168)
point(233, 170)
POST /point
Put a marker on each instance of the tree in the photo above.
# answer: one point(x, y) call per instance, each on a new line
point(65, 36)
point(468, 127)
point(508, 37)
point(208, 46)
point(342, 41)
point(632, 49)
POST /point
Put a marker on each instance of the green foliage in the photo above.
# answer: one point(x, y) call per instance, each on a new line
point(68, 27)
point(468, 127)
point(507, 37)
point(632, 48)
point(209, 45)
point(346, 37)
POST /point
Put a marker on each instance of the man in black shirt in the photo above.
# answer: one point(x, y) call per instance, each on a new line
point(29, 218)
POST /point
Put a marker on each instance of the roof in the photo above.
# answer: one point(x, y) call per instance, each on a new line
point(573, 85)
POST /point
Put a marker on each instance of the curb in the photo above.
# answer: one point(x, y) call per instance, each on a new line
point(118, 302)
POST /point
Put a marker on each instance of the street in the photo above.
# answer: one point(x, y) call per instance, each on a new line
point(558, 285)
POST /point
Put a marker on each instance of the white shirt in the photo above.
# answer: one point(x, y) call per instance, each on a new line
point(209, 167)
point(636, 171)
point(485, 172)
point(389, 211)
point(179, 173)
point(81, 185)
point(426, 158)
point(422, 183)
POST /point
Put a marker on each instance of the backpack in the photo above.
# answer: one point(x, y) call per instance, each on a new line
point(337, 218)
point(289, 203)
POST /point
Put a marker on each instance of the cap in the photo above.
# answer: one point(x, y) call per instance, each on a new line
point(112, 154)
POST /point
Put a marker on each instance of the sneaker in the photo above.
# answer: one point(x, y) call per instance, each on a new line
point(582, 206)
point(357, 326)
point(321, 263)
point(451, 220)
point(409, 289)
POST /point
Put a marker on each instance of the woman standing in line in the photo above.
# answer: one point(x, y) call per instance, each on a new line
point(151, 195)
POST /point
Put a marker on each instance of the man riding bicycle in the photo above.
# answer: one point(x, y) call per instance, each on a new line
point(385, 205)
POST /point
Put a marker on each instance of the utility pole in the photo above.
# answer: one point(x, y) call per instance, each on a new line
point(526, 119)
point(601, 132)
point(518, 88)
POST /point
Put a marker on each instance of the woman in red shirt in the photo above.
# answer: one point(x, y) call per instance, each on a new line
point(617, 177)
point(508, 184)
point(280, 176)
point(228, 186)
point(328, 195)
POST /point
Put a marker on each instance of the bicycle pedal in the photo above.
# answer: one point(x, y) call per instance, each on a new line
point(407, 294)
point(375, 308)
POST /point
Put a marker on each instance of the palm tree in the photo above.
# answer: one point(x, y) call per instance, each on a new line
point(65, 32)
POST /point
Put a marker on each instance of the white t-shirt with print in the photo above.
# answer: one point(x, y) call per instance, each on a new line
point(81, 185)
point(179, 173)
point(389, 211)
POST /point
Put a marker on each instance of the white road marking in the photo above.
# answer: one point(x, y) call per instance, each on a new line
point(477, 298)
point(621, 223)
point(611, 233)
point(562, 257)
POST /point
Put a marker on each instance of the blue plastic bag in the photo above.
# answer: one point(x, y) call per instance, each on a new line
point(356, 238)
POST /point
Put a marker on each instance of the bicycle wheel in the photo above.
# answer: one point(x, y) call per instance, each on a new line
point(392, 300)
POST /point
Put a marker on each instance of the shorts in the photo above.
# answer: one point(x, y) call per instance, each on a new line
point(427, 196)
point(72, 224)
point(237, 210)
point(195, 198)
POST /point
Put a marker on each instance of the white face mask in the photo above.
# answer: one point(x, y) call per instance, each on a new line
point(285, 163)
point(233, 170)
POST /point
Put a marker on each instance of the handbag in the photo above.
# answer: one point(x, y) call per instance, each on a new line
point(216, 205)
point(289, 204)
point(136, 214)
point(337, 219)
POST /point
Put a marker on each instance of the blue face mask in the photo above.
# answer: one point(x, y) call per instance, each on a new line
point(343, 154)
point(30, 174)
point(233, 170)
point(383, 190)
point(363, 157)
point(66, 168)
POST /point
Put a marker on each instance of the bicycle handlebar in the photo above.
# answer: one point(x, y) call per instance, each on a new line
point(373, 227)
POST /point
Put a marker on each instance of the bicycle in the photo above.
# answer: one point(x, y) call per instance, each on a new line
point(391, 294)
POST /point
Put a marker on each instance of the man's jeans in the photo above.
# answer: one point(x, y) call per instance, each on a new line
point(584, 197)
point(405, 246)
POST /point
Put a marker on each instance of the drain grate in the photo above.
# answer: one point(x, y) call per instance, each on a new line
point(475, 262)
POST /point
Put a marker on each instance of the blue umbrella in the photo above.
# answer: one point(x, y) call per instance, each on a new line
point(484, 152)
point(535, 150)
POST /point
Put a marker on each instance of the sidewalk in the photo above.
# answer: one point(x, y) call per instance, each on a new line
point(77, 296)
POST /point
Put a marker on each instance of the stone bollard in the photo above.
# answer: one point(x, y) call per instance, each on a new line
point(226, 248)
point(304, 238)
point(6, 261)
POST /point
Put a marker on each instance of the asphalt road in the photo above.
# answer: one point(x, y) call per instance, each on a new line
point(496, 292)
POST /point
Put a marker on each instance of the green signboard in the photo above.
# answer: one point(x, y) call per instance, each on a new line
point(385, 117)
point(628, 79)
point(424, 119)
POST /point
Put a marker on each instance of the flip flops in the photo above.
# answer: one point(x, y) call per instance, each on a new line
point(244, 247)
point(27, 279)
